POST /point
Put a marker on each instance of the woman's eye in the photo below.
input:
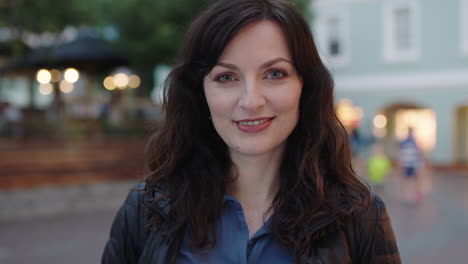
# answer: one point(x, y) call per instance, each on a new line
point(225, 78)
point(275, 74)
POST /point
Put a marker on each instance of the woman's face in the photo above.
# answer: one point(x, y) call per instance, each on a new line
point(253, 91)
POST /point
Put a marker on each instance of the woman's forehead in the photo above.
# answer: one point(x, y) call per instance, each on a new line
point(264, 40)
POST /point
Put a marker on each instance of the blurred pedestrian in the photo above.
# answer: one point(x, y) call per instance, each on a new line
point(358, 145)
point(355, 141)
point(378, 166)
point(13, 117)
point(410, 162)
point(251, 163)
point(3, 119)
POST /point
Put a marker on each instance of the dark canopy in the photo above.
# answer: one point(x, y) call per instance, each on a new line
point(86, 53)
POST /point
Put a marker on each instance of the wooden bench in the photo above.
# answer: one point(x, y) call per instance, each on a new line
point(29, 164)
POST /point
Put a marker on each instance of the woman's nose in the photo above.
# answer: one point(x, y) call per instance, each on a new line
point(252, 97)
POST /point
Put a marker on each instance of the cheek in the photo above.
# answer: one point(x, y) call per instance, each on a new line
point(288, 102)
point(211, 97)
point(219, 104)
point(221, 101)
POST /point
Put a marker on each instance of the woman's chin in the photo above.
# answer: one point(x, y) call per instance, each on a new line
point(255, 149)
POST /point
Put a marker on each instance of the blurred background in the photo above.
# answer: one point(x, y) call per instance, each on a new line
point(80, 93)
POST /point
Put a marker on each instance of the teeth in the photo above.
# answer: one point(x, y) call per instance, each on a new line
point(253, 123)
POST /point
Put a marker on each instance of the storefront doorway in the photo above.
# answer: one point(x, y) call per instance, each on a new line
point(461, 135)
point(400, 117)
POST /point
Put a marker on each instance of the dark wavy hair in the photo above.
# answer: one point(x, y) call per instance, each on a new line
point(189, 161)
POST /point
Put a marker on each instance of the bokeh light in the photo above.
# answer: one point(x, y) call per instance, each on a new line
point(43, 76)
point(134, 81)
point(121, 80)
point(349, 114)
point(71, 75)
point(109, 83)
point(66, 87)
point(380, 121)
point(45, 88)
point(56, 75)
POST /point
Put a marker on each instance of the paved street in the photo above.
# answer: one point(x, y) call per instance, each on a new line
point(75, 231)
point(54, 225)
point(436, 231)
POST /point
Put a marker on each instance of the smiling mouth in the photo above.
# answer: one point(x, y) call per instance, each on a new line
point(254, 125)
point(253, 122)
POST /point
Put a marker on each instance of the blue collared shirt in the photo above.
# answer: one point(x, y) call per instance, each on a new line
point(233, 244)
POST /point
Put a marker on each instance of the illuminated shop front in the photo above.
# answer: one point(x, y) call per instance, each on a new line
point(391, 123)
point(461, 135)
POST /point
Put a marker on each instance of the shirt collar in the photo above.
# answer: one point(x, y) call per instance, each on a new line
point(264, 230)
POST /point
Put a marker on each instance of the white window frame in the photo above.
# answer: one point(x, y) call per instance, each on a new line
point(391, 53)
point(464, 27)
point(319, 3)
point(321, 25)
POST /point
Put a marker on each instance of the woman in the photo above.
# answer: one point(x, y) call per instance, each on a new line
point(251, 164)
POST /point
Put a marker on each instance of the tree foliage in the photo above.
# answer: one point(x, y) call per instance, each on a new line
point(22, 17)
point(150, 31)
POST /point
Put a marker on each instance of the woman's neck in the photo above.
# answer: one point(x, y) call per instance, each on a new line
point(256, 178)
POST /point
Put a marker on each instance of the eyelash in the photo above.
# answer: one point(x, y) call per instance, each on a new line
point(282, 73)
point(223, 75)
point(218, 78)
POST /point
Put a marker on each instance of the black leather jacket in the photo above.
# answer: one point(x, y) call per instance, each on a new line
point(367, 238)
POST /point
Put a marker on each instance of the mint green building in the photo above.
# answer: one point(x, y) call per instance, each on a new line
point(400, 64)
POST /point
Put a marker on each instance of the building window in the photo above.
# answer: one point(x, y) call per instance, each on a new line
point(401, 30)
point(464, 26)
point(334, 42)
point(333, 37)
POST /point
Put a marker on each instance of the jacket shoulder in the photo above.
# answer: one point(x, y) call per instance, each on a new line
point(127, 233)
point(374, 236)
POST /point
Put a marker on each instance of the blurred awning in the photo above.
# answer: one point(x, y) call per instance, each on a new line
point(86, 53)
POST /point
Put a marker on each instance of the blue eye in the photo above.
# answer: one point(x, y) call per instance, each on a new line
point(225, 78)
point(275, 74)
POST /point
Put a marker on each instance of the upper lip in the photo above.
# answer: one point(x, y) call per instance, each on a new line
point(253, 119)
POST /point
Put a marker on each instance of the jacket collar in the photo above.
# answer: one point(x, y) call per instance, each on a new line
point(162, 205)
point(324, 222)
point(163, 208)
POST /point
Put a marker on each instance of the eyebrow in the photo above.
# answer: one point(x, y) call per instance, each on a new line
point(264, 65)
